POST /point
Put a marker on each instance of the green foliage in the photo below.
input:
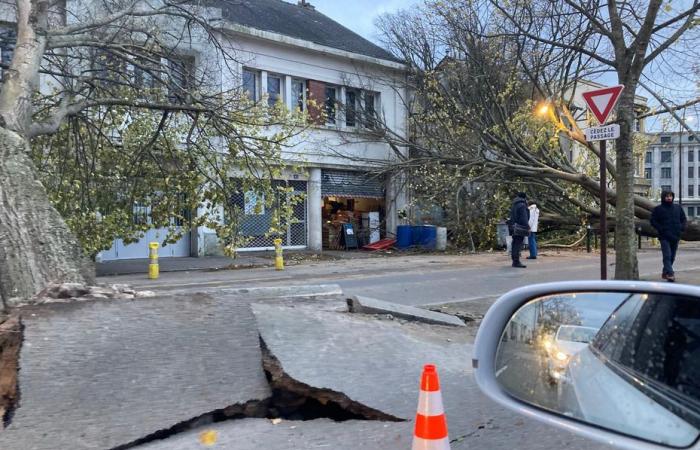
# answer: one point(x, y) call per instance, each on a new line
point(117, 172)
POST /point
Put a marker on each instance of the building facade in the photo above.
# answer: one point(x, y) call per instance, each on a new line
point(672, 163)
point(290, 53)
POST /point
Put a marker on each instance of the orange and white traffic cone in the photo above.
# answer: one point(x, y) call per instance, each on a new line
point(430, 432)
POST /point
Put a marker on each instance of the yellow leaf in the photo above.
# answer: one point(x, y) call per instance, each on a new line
point(208, 438)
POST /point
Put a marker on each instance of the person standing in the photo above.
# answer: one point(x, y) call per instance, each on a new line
point(669, 220)
point(521, 228)
point(532, 237)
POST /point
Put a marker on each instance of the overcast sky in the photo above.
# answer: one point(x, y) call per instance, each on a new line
point(358, 15)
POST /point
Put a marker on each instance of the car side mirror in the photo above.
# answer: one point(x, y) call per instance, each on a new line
point(618, 362)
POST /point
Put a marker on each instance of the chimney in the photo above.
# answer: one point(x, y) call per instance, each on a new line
point(305, 4)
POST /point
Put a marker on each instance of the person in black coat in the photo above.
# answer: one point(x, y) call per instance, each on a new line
point(669, 220)
point(519, 217)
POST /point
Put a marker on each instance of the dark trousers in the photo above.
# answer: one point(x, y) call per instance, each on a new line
point(515, 248)
point(668, 250)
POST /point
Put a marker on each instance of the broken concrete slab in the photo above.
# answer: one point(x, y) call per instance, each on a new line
point(367, 305)
point(378, 362)
point(102, 374)
point(374, 362)
point(255, 434)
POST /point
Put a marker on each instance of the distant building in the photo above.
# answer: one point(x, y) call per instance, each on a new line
point(672, 156)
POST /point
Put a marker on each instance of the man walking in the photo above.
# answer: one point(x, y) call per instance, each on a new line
point(532, 237)
point(669, 220)
point(521, 228)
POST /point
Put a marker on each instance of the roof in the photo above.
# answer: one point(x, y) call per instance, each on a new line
point(300, 22)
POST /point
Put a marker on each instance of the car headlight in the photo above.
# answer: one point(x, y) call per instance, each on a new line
point(561, 356)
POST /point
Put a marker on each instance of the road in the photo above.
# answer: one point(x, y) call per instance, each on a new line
point(422, 279)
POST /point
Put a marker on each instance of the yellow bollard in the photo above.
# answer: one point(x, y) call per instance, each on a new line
point(153, 269)
point(279, 260)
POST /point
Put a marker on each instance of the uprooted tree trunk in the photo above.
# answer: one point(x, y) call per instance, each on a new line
point(36, 246)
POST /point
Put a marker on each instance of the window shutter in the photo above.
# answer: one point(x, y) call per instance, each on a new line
point(317, 94)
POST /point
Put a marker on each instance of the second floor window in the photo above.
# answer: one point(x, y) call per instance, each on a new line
point(665, 139)
point(665, 172)
point(666, 156)
point(691, 190)
point(274, 89)
point(371, 109)
point(350, 108)
point(691, 172)
point(691, 155)
point(666, 187)
point(647, 173)
point(250, 84)
point(330, 105)
point(181, 78)
point(648, 157)
point(299, 94)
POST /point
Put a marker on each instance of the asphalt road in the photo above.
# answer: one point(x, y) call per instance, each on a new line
point(423, 279)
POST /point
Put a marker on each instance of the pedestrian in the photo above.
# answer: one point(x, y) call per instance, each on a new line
point(519, 218)
point(669, 220)
point(533, 222)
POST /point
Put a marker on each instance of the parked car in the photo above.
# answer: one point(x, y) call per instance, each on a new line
point(634, 384)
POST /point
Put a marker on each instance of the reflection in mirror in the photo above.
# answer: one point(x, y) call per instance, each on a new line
point(626, 362)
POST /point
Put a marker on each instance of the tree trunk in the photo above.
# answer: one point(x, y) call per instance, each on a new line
point(626, 264)
point(36, 246)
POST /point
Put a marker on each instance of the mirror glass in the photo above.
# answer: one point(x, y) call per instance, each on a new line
point(627, 362)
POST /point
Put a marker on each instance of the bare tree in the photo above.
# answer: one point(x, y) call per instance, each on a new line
point(475, 107)
point(98, 65)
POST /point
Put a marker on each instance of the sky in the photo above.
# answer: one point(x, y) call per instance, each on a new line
point(359, 15)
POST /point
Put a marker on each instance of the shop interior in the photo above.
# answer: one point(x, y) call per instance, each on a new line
point(365, 214)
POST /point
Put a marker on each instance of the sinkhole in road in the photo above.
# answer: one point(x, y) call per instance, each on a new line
point(291, 400)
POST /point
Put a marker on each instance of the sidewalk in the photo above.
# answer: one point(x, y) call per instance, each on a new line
point(244, 260)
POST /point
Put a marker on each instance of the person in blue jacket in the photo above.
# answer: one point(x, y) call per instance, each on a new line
point(669, 220)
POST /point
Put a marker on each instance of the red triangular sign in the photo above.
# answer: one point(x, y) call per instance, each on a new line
point(602, 101)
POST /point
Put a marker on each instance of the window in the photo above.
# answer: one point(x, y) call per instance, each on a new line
point(274, 90)
point(665, 139)
point(350, 108)
point(181, 78)
point(299, 94)
point(371, 109)
point(691, 138)
point(691, 190)
point(648, 158)
point(666, 187)
point(665, 172)
point(250, 83)
point(691, 154)
point(330, 105)
point(637, 125)
point(691, 172)
point(647, 173)
point(8, 39)
point(691, 211)
point(666, 156)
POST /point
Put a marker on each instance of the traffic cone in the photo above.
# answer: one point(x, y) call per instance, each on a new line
point(430, 432)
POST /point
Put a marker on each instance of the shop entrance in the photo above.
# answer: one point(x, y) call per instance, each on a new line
point(366, 215)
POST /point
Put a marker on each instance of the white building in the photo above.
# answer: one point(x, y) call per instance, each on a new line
point(290, 51)
point(669, 156)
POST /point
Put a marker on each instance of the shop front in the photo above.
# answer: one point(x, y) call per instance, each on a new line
point(353, 204)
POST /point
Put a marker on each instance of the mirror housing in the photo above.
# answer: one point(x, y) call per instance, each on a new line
point(491, 334)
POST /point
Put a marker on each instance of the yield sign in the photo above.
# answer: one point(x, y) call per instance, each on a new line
point(602, 101)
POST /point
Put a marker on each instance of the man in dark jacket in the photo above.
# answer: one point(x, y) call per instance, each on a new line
point(669, 220)
point(519, 217)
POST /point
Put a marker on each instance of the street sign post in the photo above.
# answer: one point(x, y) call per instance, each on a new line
point(601, 103)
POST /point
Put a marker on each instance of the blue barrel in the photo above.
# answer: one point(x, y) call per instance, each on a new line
point(416, 234)
point(403, 236)
point(428, 237)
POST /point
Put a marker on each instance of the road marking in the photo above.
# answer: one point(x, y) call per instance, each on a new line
point(500, 371)
point(211, 283)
